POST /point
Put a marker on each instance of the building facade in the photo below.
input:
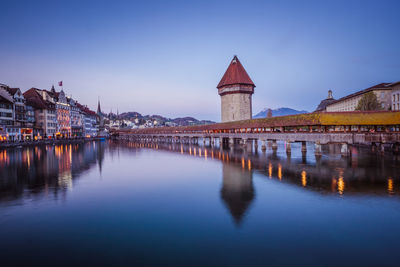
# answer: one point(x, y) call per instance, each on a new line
point(383, 92)
point(6, 113)
point(76, 118)
point(89, 119)
point(63, 115)
point(45, 112)
point(395, 96)
point(236, 90)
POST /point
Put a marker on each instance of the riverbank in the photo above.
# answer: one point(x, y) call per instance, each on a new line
point(49, 142)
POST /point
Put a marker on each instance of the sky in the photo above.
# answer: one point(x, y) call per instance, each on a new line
point(167, 57)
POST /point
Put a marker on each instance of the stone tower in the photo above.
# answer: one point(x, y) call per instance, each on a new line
point(235, 89)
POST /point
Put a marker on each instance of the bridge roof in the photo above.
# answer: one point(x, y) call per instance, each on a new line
point(235, 74)
point(308, 119)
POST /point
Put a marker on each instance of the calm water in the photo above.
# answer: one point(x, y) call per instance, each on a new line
point(106, 203)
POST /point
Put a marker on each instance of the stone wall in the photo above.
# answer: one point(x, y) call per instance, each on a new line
point(235, 107)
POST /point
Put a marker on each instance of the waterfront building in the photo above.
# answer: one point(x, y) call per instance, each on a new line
point(383, 92)
point(395, 96)
point(45, 112)
point(236, 90)
point(89, 120)
point(76, 118)
point(21, 130)
point(30, 119)
point(6, 112)
point(63, 114)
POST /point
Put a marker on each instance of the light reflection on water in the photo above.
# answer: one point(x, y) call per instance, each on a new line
point(242, 206)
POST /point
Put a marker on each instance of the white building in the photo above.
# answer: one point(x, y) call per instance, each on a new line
point(383, 92)
point(395, 96)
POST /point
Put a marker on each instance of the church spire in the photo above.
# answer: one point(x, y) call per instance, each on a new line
point(98, 107)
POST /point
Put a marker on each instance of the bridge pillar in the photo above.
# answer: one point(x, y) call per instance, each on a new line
point(231, 142)
point(318, 149)
point(382, 148)
point(212, 141)
point(303, 146)
point(396, 148)
point(255, 144)
point(263, 146)
point(244, 142)
point(344, 150)
point(221, 141)
point(288, 147)
point(204, 140)
point(274, 145)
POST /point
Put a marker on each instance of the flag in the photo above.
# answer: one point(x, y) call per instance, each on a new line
point(60, 83)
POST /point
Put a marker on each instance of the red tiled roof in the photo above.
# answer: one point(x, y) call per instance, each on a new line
point(85, 109)
point(33, 99)
point(235, 74)
point(12, 91)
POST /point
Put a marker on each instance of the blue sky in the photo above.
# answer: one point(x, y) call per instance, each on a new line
point(166, 57)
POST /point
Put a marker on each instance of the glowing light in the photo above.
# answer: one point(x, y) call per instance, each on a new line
point(243, 163)
point(340, 185)
point(199, 152)
point(181, 149)
point(249, 164)
point(205, 153)
point(270, 170)
point(390, 186)
point(303, 178)
point(280, 171)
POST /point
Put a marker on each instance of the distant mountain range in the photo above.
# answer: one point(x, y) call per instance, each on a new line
point(161, 120)
point(278, 112)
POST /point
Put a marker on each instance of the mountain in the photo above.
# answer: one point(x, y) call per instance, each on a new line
point(162, 120)
point(278, 112)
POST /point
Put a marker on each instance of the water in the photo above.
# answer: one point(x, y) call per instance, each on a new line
point(104, 203)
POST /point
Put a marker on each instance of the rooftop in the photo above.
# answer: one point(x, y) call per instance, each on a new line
point(235, 74)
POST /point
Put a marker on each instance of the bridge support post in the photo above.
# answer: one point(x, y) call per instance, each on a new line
point(318, 149)
point(344, 150)
point(204, 140)
point(274, 145)
point(303, 146)
point(263, 146)
point(212, 141)
point(396, 148)
point(288, 147)
point(255, 144)
point(231, 142)
point(244, 143)
point(382, 148)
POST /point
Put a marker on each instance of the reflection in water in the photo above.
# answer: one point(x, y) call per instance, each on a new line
point(303, 178)
point(52, 170)
point(364, 173)
point(28, 172)
point(237, 190)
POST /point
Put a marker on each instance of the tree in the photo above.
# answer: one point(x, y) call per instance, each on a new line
point(369, 101)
